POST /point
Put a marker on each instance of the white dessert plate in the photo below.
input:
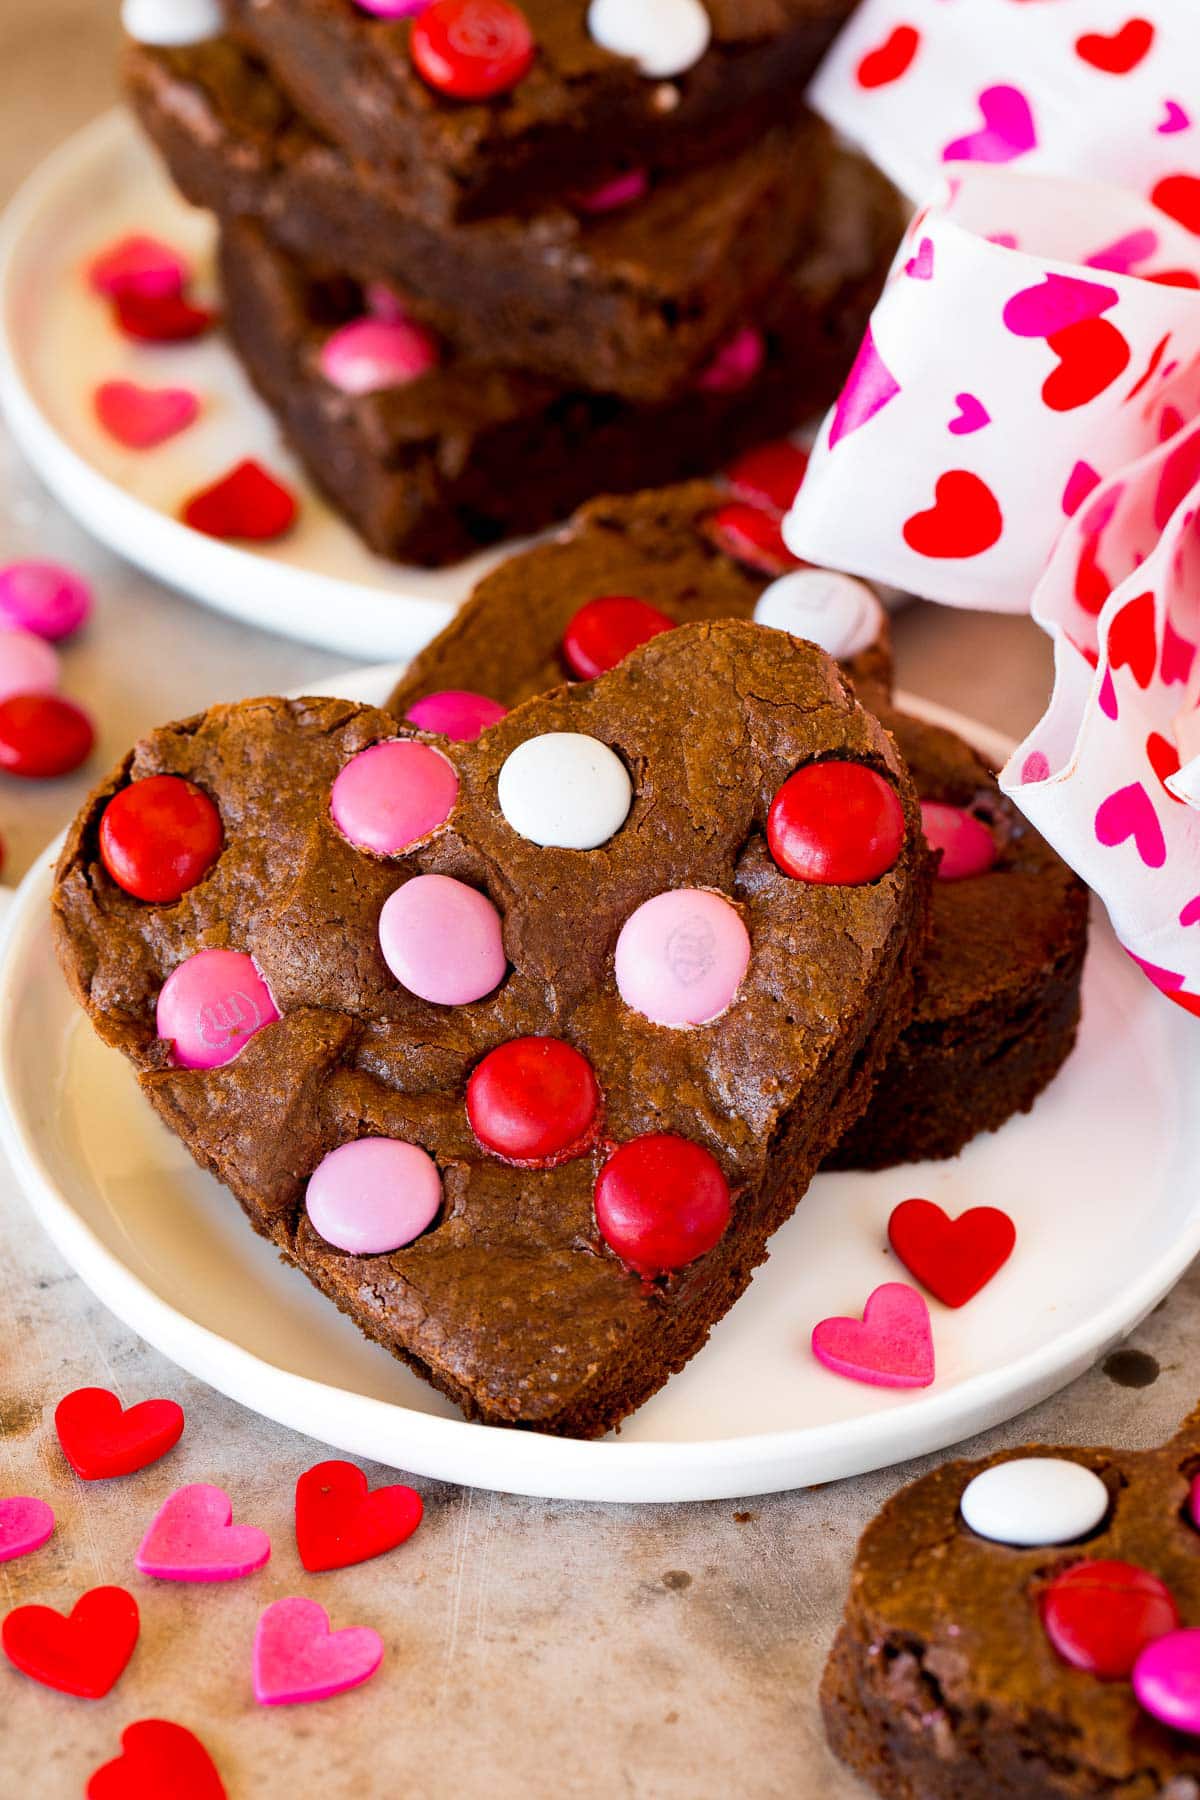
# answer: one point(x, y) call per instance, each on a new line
point(57, 344)
point(1102, 1179)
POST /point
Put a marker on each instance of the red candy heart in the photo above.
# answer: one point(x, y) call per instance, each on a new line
point(1091, 353)
point(771, 476)
point(835, 823)
point(889, 60)
point(159, 837)
point(953, 1258)
point(534, 1101)
point(472, 49)
point(83, 1653)
point(158, 1759)
point(1100, 1616)
point(247, 503)
point(139, 265)
point(160, 318)
point(1131, 639)
point(751, 535)
point(661, 1202)
point(340, 1522)
point(605, 630)
point(100, 1439)
point(964, 520)
point(42, 736)
point(141, 417)
point(1119, 53)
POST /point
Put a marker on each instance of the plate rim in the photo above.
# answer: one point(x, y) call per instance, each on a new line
point(655, 1470)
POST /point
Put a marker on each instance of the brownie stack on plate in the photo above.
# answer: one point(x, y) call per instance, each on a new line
point(484, 261)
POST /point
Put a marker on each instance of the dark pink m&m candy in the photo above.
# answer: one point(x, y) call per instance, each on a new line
point(603, 632)
point(393, 794)
point(967, 846)
point(455, 713)
point(661, 1202)
point(211, 1006)
point(43, 597)
point(472, 49)
point(838, 823)
point(534, 1101)
point(159, 837)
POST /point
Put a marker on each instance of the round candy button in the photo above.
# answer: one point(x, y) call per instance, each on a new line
point(159, 837)
point(42, 736)
point(1166, 1680)
point(392, 795)
point(472, 49)
point(663, 38)
point(534, 1101)
point(211, 1006)
point(771, 475)
point(1100, 1616)
point(1035, 1500)
point(368, 356)
point(45, 598)
point(835, 611)
point(837, 823)
point(442, 940)
point(661, 1202)
point(966, 844)
point(28, 664)
point(170, 24)
point(374, 1195)
point(455, 713)
point(680, 957)
point(565, 790)
point(605, 630)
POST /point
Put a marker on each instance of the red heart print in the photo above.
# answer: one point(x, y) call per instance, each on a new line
point(964, 520)
point(1120, 52)
point(953, 1258)
point(340, 1522)
point(1092, 586)
point(157, 1759)
point(1179, 195)
point(1178, 655)
point(1130, 813)
point(247, 503)
point(100, 1439)
point(1163, 758)
point(83, 1653)
point(141, 417)
point(1100, 1615)
point(1131, 640)
point(890, 1346)
point(1091, 353)
point(889, 60)
point(160, 318)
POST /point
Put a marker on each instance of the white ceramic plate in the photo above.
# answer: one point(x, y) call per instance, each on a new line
point(57, 344)
point(1102, 1178)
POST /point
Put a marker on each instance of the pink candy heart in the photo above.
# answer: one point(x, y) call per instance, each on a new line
point(193, 1538)
point(141, 266)
point(890, 1346)
point(25, 1525)
point(297, 1657)
point(1007, 130)
point(369, 355)
point(141, 417)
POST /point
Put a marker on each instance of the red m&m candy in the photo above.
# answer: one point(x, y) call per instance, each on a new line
point(472, 49)
point(661, 1202)
point(42, 736)
point(159, 837)
point(604, 631)
point(534, 1101)
point(837, 823)
point(770, 475)
point(751, 535)
point(1100, 1616)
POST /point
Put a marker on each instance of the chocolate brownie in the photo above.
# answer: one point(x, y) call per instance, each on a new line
point(506, 641)
point(945, 1682)
point(998, 989)
point(512, 1302)
point(467, 455)
point(579, 116)
point(635, 301)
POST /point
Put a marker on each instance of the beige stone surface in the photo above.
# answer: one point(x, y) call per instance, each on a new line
point(532, 1648)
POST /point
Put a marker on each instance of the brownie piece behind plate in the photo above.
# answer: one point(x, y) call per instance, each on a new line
point(579, 116)
point(512, 1303)
point(634, 302)
point(943, 1683)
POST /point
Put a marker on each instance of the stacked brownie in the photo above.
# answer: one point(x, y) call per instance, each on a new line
point(615, 262)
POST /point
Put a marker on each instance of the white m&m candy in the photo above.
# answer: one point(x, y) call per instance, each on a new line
point(840, 614)
point(172, 23)
point(565, 790)
point(1035, 1500)
point(663, 37)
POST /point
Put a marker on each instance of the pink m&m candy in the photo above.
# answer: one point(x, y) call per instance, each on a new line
point(681, 956)
point(45, 598)
point(211, 1006)
point(455, 713)
point(369, 355)
point(374, 1195)
point(393, 794)
point(28, 664)
point(1166, 1680)
point(736, 363)
point(442, 940)
point(620, 191)
point(966, 844)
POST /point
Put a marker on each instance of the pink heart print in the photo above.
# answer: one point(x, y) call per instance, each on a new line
point(890, 1346)
point(869, 387)
point(297, 1658)
point(920, 266)
point(1191, 916)
point(193, 1538)
point(1055, 303)
point(972, 416)
point(1129, 813)
point(26, 1524)
point(1174, 119)
point(1008, 130)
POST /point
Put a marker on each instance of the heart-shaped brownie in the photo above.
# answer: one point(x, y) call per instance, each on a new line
point(1028, 1624)
point(577, 1178)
